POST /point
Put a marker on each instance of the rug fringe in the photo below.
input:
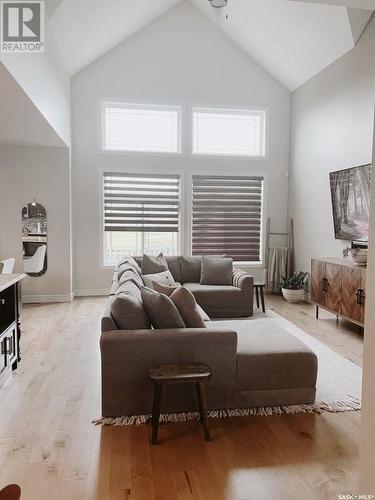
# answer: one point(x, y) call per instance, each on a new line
point(350, 404)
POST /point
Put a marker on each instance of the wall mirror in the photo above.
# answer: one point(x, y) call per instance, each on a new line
point(34, 239)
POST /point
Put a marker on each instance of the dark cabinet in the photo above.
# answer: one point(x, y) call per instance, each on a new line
point(9, 330)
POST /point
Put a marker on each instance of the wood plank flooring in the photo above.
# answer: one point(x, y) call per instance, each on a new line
point(50, 448)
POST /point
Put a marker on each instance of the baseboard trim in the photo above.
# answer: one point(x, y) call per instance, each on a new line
point(91, 292)
point(45, 299)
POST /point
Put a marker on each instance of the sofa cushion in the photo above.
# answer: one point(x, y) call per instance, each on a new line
point(190, 269)
point(127, 308)
point(130, 275)
point(270, 358)
point(216, 270)
point(222, 301)
point(174, 265)
point(164, 278)
point(152, 265)
point(161, 310)
point(125, 266)
point(130, 260)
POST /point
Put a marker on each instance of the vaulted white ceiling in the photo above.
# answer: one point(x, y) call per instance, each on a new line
point(21, 122)
point(292, 39)
point(87, 29)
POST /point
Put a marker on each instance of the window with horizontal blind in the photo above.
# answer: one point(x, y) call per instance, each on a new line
point(141, 215)
point(229, 132)
point(227, 216)
point(141, 128)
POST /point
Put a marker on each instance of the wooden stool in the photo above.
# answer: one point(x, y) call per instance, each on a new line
point(259, 289)
point(181, 373)
point(10, 492)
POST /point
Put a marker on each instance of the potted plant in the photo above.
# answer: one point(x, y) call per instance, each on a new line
point(293, 287)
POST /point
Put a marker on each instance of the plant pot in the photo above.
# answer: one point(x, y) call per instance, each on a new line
point(293, 296)
point(359, 257)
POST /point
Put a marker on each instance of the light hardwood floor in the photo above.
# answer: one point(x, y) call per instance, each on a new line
point(50, 448)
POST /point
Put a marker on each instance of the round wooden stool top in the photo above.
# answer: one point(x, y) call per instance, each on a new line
point(10, 492)
point(180, 372)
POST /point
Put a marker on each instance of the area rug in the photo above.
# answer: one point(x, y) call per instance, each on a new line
point(339, 384)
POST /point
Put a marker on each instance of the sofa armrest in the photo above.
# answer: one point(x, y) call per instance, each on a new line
point(127, 356)
point(243, 280)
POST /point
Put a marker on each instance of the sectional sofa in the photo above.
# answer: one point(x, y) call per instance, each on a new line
point(254, 362)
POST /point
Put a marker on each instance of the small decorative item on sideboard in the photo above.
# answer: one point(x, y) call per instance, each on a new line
point(293, 288)
point(357, 255)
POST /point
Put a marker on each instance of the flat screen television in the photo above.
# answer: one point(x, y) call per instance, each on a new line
point(350, 193)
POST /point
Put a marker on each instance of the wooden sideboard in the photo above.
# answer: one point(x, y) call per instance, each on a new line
point(339, 286)
point(10, 331)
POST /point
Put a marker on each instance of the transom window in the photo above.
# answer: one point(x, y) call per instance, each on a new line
point(141, 215)
point(141, 128)
point(228, 132)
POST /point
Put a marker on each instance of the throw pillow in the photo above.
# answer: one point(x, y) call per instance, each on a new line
point(161, 310)
point(127, 309)
point(168, 290)
point(165, 278)
point(152, 265)
point(216, 270)
point(186, 304)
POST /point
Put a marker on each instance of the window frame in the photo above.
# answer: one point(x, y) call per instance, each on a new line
point(105, 103)
point(182, 226)
point(223, 110)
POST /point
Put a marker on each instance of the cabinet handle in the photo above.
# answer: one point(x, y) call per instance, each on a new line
point(325, 285)
point(8, 350)
point(361, 296)
point(2, 302)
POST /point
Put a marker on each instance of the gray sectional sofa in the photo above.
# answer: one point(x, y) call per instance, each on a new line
point(254, 362)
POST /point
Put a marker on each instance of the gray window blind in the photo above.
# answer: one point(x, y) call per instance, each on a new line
point(227, 216)
point(140, 202)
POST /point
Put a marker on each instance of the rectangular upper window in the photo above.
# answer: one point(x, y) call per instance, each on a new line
point(141, 128)
point(229, 132)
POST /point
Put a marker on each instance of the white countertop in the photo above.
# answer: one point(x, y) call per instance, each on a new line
point(7, 280)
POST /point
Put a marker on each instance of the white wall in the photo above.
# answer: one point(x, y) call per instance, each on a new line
point(181, 58)
point(332, 127)
point(367, 454)
point(46, 81)
point(43, 173)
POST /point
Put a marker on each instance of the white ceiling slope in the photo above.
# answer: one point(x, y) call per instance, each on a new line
point(355, 4)
point(292, 40)
point(52, 6)
point(358, 19)
point(21, 123)
point(86, 29)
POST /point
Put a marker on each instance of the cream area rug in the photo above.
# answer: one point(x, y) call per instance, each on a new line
point(339, 383)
